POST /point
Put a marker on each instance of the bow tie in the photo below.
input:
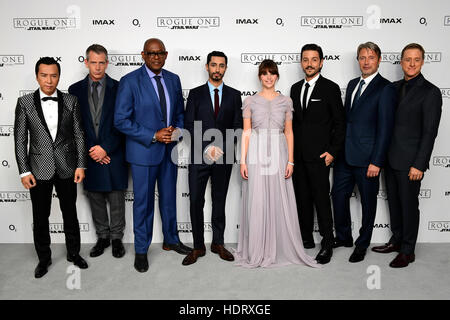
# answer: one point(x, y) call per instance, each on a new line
point(50, 98)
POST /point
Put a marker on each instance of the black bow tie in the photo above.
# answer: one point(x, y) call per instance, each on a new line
point(50, 98)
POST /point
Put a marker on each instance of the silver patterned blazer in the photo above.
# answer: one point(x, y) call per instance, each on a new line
point(44, 158)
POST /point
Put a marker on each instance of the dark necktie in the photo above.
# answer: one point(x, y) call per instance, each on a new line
point(305, 97)
point(95, 85)
point(403, 90)
point(358, 93)
point(50, 98)
point(216, 102)
point(162, 98)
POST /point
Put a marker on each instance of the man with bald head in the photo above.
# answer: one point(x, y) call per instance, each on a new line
point(149, 109)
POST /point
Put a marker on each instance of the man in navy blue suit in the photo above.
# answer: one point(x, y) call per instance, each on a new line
point(149, 111)
point(107, 172)
point(369, 106)
point(213, 105)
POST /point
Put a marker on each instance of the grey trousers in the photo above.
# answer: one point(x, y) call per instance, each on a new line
point(108, 227)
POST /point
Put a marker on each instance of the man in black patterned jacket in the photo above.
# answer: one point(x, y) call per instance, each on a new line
point(56, 157)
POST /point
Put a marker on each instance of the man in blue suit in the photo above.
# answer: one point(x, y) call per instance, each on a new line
point(107, 172)
point(149, 109)
point(369, 106)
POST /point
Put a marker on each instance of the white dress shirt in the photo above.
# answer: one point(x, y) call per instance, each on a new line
point(312, 83)
point(366, 83)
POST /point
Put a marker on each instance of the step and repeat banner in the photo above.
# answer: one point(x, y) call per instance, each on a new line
point(248, 32)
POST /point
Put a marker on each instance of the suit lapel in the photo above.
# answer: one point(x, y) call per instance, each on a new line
point(60, 112)
point(146, 83)
point(84, 104)
point(171, 93)
point(38, 105)
point(209, 104)
point(412, 94)
point(315, 91)
point(371, 87)
point(225, 101)
point(106, 102)
point(348, 95)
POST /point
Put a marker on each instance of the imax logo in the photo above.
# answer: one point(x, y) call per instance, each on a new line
point(125, 60)
point(189, 58)
point(6, 130)
point(441, 161)
point(188, 22)
point(332, 57)
point(381, 226)
point(103, 22)
point(279, 58)
point(441, 226)
point(11, 60)
point(248, 93)
point(44, 23)
point(58, 59)
point(390, 20)
point(445, 93)
point(331, 22)
point(247, 21)
point(394, 57)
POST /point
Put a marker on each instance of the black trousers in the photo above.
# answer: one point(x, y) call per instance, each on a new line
point(41, 199)
point(312, 188)
point(199, 175)
point(403, 200)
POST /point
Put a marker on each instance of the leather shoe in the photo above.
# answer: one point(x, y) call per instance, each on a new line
point(324, 255)
point(342, 243)
point(222, 252)
point(42, 268)
point(308, 244)
point(118, 250)
point(402, 260)
point(387, 248)
point(99, 247)
point(141, 262)
point(193, 256)
point(78, 261)
point(177, 247)
point(358, 255)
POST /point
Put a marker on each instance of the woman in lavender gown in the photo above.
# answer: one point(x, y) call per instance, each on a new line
point(269, 232)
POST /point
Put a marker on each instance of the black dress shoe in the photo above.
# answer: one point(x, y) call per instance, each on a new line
point(387, 248)
point(78, 261)
point(42, 268)
point(358, 255)
point(193, 256)
point(308, 244)
point(402, 260)
point(118, 250)
point(324, 255)
point(99, 247)
point(342, 243)
point(177, 247)
point(141, 262)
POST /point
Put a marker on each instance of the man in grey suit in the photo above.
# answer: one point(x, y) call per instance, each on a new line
point(56, 157)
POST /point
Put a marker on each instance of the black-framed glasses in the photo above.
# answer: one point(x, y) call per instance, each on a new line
point(160, 54)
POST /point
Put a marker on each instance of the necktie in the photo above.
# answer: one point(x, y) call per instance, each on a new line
point(95, 85)
point(162, 98)
point(305, 96)
point(50, 98)
point(216, 101)
point(358, 93)
point(403, 90)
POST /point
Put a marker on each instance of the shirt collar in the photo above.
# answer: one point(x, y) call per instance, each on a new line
point(369, 78)
point(101, 81)
point(412, 81)
point(43, 95)
point(151, 74)
point(211, 87)
point(313, 80)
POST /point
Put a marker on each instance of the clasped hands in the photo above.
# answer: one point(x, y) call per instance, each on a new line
point(168, 135)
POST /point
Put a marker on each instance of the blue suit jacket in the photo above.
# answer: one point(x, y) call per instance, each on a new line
point(106, 177)
point(369, 122)
point(138, 115)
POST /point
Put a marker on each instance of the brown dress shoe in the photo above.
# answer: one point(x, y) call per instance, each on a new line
point(193, 256)
point(222, 252)
point(402, 260)
point(387, 248)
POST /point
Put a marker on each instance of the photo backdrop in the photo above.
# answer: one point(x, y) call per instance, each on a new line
point(248, 32)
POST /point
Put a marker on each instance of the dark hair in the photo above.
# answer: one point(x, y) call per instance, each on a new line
point(98, 49)
point(413, 46)
point(216, 54)
point(268, 65)
point(313, 47)
point(47, 61)
point(369, 45)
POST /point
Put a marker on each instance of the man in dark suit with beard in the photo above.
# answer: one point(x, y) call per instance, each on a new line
point(213, 105)
point(56, 157)
point(417, 118)
point(319, 129)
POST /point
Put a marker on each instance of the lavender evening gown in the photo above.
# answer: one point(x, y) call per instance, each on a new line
point(269, 233)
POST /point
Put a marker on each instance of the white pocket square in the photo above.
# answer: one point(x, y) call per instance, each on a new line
point(312, 100)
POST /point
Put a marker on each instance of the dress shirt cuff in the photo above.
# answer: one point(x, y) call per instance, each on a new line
point(25, 174)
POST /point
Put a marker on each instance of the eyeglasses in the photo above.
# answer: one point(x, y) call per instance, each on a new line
point(160, 54)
